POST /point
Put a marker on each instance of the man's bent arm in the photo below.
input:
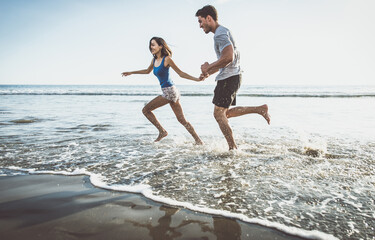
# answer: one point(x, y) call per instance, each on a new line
point(225, 59)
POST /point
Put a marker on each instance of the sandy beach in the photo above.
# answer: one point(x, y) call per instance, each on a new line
point(69, 207)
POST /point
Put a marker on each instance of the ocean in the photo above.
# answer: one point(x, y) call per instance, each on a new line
point(310, 173)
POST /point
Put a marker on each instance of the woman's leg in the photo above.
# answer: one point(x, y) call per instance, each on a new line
point(177, 109)
point(155, 103)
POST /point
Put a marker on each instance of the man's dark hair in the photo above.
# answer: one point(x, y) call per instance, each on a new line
point(207, 10)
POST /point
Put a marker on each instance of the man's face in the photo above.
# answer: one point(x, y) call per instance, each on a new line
point(203, 23)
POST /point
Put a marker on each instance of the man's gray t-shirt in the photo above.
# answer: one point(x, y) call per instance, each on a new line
point(222, 39)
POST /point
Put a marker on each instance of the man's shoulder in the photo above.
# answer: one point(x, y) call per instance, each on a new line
point(221, 30)
point(222, 33)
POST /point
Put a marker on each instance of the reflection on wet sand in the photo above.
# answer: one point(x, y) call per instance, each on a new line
point(226, 228)
point(169, 227)
point(59, 207)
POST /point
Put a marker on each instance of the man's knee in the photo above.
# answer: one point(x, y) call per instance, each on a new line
point(216, 115)
point(220, 115)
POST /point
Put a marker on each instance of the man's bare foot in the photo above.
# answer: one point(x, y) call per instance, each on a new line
point(161, 136)
point(264, 113)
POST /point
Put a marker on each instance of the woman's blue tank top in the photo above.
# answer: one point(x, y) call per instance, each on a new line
point(163, 74)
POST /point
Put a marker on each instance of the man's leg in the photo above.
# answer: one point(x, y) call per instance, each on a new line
point(239, 111)
point(220, 115)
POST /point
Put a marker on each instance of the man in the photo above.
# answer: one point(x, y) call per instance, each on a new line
point(229, 77)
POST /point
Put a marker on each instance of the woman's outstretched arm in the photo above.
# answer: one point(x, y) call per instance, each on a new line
point(144, 71)
point(169, 61)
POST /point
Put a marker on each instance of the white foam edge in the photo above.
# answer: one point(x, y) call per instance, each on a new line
point(146, 191)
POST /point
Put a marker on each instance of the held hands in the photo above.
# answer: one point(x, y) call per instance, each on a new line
point(204, 69)
point(203, 77)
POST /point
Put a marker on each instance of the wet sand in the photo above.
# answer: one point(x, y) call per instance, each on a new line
point(70, 207)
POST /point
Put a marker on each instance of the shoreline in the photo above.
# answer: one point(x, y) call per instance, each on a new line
point(70, 207)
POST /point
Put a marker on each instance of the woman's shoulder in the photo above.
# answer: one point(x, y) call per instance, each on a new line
point(167, 60)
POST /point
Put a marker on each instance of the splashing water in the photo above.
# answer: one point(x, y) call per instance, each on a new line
point(309, 177)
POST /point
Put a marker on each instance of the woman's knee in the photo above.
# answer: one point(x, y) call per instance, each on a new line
point(182, 120)
point(145, 110)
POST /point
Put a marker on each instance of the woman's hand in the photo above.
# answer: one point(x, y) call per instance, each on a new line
point(203, 77)
point(124, 74)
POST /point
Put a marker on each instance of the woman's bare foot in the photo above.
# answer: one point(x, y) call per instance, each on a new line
point(264, 113)
point(161, 136)
point(198, 142)
point(233, 147)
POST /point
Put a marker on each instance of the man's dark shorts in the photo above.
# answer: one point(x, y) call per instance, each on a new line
point(226, 90)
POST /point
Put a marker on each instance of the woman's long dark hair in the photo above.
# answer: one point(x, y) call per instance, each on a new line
point(165, 51)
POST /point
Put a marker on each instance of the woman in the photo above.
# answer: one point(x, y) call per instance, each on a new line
point(160, 64)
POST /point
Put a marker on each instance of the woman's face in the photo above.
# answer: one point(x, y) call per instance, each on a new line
point(155, 47)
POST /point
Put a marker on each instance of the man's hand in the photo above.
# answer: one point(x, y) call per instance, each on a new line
point(204, 68)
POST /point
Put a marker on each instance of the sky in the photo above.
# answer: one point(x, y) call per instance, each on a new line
point(281, 42)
